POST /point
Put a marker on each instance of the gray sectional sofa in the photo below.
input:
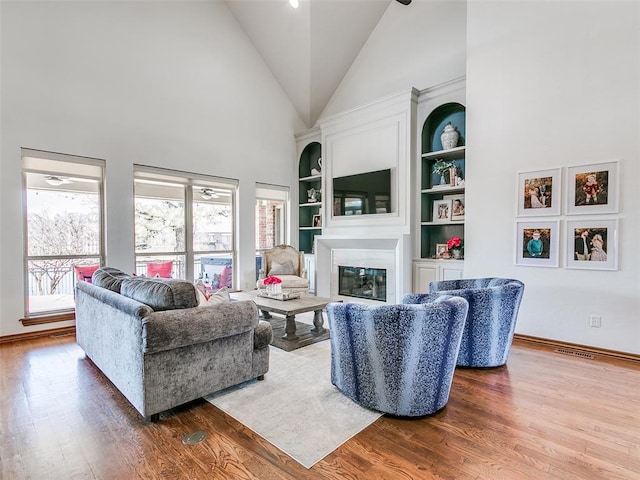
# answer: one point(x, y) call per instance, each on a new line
point(159, 348)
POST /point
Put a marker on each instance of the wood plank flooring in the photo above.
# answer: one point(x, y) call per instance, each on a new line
point(544, 416)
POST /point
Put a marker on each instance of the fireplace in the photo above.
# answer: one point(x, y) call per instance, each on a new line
point(362, 282)
point(388, 254)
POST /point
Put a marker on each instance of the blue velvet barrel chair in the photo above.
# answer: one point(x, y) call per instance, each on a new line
point(491, 322)
point(397, 359)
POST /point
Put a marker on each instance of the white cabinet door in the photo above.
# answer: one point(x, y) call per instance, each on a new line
point(427, 271)
point(310, 267)
point(423, 275)
point(451, 272)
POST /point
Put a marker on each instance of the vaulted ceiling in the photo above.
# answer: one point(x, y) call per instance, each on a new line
point(309, 49)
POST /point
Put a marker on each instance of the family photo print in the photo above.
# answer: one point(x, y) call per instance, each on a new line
point(592, 188)
point(537, 243)
point(592, 244)
point(539, 193)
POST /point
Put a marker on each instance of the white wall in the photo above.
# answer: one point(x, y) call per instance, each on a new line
point(420, 45)
point(548, 84)
point(167, 84)
point(553, 84)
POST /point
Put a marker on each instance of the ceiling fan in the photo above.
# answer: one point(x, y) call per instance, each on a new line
point(56, 180)
point(208, 193)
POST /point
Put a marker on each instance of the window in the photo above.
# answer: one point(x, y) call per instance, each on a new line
point(271, 218)
point(184, 226)
point(63, 228)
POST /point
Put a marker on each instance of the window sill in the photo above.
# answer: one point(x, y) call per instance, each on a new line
point(41, 320)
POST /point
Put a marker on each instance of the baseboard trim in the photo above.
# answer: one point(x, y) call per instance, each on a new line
point(599, 352)
point(53, 332)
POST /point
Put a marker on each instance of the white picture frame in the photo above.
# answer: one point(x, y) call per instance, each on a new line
point(601, 197)
point(442, 211)
point(457, 207)
point(538, 243)
point(605, 247)
point(539, 192)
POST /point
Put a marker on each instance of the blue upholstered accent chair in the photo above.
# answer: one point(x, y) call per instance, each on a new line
point(493, 312)
point(397, 359)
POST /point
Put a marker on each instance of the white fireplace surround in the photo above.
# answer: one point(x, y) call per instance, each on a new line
point(390, 252)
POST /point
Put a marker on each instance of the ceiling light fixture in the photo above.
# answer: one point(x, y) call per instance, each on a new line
point(294, 3)
point(54, 181)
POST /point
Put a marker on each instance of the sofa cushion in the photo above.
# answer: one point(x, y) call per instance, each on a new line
point(160, 294)
point(109, 278)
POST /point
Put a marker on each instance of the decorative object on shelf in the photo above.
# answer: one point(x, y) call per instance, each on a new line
point(273, 285)
point(441, 211)
point(454, 244)
point(317, 171)
point(449, 137)
point(440, 167)
point(313, 195)
point(442, 251)
point(457, 207)
point(317, 221)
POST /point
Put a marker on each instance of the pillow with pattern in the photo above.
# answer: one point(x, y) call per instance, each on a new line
point(207, 298)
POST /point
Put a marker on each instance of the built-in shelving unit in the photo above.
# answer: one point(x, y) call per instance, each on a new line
point(435, 187)
point(309, 210)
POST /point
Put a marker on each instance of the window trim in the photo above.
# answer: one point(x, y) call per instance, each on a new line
point(189, 180)
point(285, 208)
point(34, 161)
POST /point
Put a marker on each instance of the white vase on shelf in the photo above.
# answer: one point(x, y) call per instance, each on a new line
point(449, 137)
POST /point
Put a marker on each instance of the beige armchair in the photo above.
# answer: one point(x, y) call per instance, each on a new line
point(286, 263)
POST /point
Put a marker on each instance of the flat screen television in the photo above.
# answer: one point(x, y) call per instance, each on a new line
point(362, 194)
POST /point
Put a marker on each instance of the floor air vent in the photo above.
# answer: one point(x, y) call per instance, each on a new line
point(575, 353)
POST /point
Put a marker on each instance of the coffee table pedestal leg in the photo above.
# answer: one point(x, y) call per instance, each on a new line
point(318, 322)
point(290, 328)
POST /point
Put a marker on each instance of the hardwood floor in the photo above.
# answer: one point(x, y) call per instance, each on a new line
point(544, 416)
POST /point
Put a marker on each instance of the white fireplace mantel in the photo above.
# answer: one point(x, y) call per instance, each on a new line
point(391, 252)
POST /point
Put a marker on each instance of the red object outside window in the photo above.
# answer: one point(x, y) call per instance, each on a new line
point(161, 269)
point(85, 272)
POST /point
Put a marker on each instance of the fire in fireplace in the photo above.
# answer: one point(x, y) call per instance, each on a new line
point(362, 282)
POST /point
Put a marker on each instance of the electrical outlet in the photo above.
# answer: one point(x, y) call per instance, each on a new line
point(595, 321)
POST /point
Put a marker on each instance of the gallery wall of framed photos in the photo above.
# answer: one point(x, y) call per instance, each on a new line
point(587, 220)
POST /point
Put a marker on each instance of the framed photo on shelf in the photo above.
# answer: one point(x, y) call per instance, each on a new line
point(538, 243)
point(457, 207)
point(592, 244)
point(442, 211)
point(442, 251)
point(317, 221)
point(593, 188)
point(539, 192)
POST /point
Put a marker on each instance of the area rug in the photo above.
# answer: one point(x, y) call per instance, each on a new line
point(296, 408)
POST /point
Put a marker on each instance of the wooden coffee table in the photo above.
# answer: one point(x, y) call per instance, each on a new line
point(290, 308)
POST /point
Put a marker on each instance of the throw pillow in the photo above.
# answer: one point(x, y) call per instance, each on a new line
point(109, 278)
point(285, 268)
point(160, 294)
point(215, 298)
